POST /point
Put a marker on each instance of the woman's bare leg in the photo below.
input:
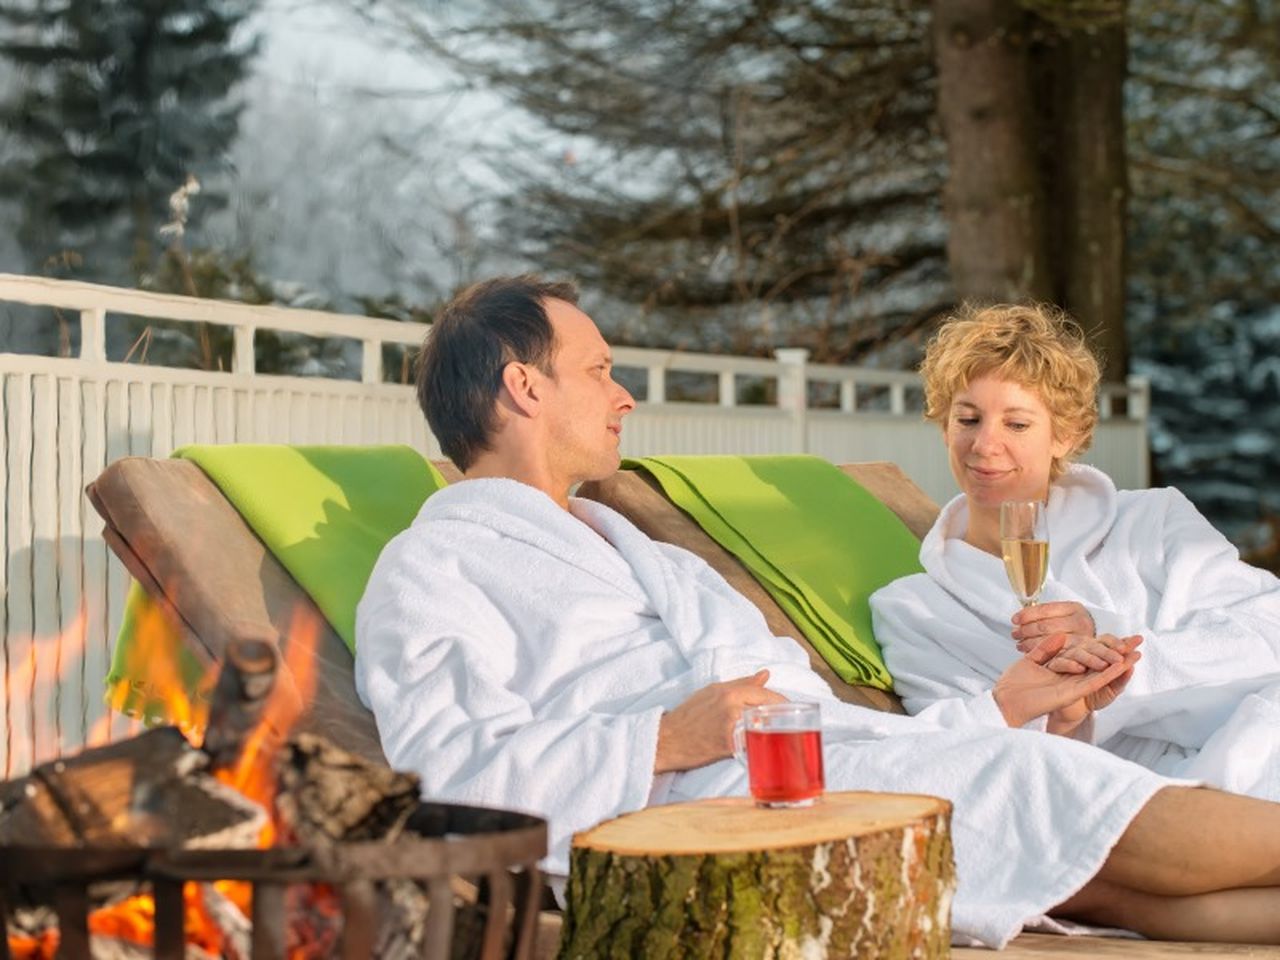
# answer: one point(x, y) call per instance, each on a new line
point(1190, 841)
point(1194, 864)
point(1230, 916)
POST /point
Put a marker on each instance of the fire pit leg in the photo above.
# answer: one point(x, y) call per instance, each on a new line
point(171, 937)
point(268, 921)
point(72, 903)
point(528, 899)
point(498, 888)
point(4, 926)
point(439, 931)
point(359, 926)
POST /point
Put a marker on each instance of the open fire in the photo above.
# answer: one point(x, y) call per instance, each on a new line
point(232, 839)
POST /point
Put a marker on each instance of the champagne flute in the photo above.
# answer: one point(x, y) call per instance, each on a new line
point(1024, 544)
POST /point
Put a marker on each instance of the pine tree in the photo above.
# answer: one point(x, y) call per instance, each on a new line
point(118, 102)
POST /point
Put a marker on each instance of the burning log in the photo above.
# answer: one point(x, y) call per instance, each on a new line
point(328, 795)
point(150, 791)
point(240, 696)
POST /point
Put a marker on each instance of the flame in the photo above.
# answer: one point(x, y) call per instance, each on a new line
point(34, 678)
point(254, 775)
point(153, 654)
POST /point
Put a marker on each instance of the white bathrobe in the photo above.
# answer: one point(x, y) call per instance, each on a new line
point(1204, 701)
point(516, 655)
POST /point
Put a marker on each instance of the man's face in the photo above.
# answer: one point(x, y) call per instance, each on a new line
point(584, 406)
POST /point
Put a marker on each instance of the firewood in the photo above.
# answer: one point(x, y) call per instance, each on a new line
point(152, 790)
point(328, 795)
point(245, 681)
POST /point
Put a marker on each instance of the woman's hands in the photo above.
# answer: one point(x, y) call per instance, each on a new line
point(1032, 624)
point(1081, 655)
point(1029, 688)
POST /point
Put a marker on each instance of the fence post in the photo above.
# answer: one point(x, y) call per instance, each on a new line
point(371, 362)
point(242, 359)
point(93, 334)
point(656, 388)
point(793, 393)
point(1138, 407)
point(728, 389)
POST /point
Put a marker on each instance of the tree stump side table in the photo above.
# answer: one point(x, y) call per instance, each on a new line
point(866, 875)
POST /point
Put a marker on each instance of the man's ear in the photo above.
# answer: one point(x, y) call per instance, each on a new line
point(523, 386)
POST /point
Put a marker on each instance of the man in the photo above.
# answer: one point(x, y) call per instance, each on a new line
point(523, 648)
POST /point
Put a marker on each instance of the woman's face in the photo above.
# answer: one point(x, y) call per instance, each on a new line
point(1000, 442)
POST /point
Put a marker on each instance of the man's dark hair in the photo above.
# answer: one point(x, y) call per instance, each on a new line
point(480, 331)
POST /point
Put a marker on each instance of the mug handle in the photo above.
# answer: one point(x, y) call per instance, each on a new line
point(740, 742)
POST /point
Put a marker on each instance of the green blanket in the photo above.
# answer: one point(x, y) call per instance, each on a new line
point(817, 541)
point(324, 512)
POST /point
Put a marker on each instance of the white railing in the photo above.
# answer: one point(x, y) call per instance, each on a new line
point(63, 419)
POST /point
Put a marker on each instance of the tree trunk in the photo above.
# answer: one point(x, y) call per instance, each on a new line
point(995, 203)
point(859, 875)
point(1089, 67)
point(1032, 108)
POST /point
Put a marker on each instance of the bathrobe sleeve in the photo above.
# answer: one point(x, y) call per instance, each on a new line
point(433, 675)
point(920, 628)
point(1217, 619)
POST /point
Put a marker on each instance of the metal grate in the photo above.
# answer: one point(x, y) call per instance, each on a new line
point(499, 850)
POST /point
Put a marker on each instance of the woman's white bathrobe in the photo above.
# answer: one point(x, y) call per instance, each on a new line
point(1204, 701)
point(515, 658)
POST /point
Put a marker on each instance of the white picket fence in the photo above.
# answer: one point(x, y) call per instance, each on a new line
point(63, 419)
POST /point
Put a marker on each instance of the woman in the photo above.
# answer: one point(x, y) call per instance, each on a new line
point(1013, 388)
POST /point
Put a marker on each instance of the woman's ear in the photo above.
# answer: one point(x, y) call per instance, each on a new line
point(1062, 446)
point(523, 387)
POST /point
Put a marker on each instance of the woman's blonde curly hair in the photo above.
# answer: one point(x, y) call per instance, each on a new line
point(1036, 346)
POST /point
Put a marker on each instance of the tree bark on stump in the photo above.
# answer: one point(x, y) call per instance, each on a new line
point(858, 875)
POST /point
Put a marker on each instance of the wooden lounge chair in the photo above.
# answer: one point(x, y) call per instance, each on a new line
point(190, 549)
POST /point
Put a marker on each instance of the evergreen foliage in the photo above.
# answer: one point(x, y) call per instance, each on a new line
point(118, 102)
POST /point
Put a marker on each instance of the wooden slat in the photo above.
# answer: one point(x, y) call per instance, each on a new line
point(351, 419)
point(243, 415)
point(332, 419)
point(261, 416)
point(97, 640)
point(224, 415)
point(202, 403)
point(4, 562)
point(116, 425)
point(74, 696)
point(281, 404)
point(18, 596)
point(46, 640)
point(183, 414)
point(299, 421)
point(140, 411)
point(161, 419)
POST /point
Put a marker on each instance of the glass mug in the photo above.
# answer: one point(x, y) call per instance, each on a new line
point(781, 745)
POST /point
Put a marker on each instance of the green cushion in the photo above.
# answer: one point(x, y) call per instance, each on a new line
point(817, 541)
point(324, 512)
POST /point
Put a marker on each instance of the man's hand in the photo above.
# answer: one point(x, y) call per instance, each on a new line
point(700, 730)
point(1032, 624)
point(1029, 689)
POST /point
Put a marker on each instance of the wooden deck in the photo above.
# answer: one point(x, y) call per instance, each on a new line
point(1043, 946)
point(1029, 946)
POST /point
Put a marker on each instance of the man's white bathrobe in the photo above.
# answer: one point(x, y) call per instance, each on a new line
point(517, 655)
point(1204, 701)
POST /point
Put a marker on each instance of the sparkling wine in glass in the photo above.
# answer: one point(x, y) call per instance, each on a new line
point(1024, 544)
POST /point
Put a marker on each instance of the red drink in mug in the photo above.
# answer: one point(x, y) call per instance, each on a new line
point(782, 746)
